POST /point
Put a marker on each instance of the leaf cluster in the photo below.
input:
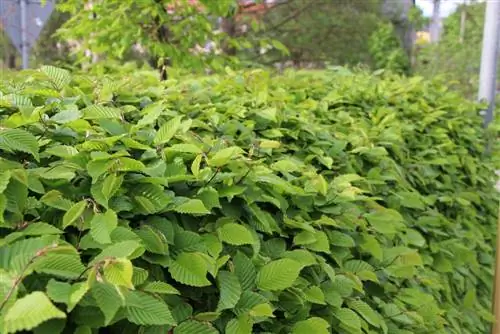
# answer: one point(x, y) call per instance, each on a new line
point(312, 202)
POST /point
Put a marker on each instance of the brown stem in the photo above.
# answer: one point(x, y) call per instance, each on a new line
point(18, 280)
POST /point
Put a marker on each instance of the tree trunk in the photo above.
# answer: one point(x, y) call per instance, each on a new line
point(228, 26)
point(435, 28)
point(397, 11)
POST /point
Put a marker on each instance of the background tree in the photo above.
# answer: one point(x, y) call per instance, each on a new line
point(172, 32)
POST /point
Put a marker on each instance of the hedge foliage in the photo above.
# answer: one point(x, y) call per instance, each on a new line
point(321, 202)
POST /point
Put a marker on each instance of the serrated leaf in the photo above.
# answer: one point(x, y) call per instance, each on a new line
point(192, 206)
point(101, 226)
point(119, 272)
point(108, 299)
point(315, 295)
point(245, 270)
point(161, 288)
point(167, 131)
point(195, 165)
point(235, 234)
point(4, 180)
point(185, 148)
point(73, 213)
point(58, 76)
point(110, 185)
point(262, 310)
point(225, 155)
point(278, 274)
point(190, 269)
point(18, 140)
point(94, 112)
point(241, 325)
point(143, 309)
point(363, 309)
point(348, 318)
point(314, 325)
point(230, 290)
point(60, 264)
point(24, 316)
point(193, 326)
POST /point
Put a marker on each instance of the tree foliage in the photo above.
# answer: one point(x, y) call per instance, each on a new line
point(305, 203)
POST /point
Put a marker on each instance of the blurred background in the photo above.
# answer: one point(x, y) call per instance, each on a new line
point(431, 38)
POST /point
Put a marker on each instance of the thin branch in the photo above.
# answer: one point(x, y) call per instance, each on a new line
point(19, 278)
point(290, 17)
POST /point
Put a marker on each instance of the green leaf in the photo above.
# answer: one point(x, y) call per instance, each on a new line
point(4, 180)
point(109, 300)
point(230, 290)
point(190, 269)
point(185, 148)
point(193, 326)
point(245, 270)
point(119, 272)
point(192, 206)
point(73, 213)
point(18, 140)
point(314, 325)
point(315, 295)
point(29, 312)
point(385, 221)
point(241, 325)
point(262, 310)
point(143, 309)
point(58, 76)
point(110, 185)
point(101, 226)
point(65, 265)
point(363, 309)
point(235, 234)
point(225, 155)
point(160, 288)
point(278, 275)
point(348, 318)
point(95, 112)
point(167, 131)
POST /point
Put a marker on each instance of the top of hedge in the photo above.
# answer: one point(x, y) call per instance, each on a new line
point(320, 202)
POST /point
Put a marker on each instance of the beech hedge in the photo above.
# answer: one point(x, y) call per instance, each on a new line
point(310, 202)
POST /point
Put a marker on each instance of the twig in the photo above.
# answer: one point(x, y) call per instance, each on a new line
point(18, 279)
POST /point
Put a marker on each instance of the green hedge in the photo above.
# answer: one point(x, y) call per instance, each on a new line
point(321, 202)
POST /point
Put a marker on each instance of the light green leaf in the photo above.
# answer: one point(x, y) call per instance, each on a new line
point(143, 309)
point(119, 272)
point(225, 155)
point(101, 226)
point(29, 312)
point(235, 234)
point(109, 299)
point(73, 213)
point(190, 269)
point(312, 325)
point(278, 274)
point(241, 325)
point(348, 318)
point(161, 288)
point(167, 131)
point(192, 206)
point(94, 112)
point(18, 140)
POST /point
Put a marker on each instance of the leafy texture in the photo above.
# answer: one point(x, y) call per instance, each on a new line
point(29, 312)
point(309, 202)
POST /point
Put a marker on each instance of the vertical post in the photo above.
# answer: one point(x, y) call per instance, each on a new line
point(24, 34)
point(463, 18)
point(487, 76)
point(435, 29)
